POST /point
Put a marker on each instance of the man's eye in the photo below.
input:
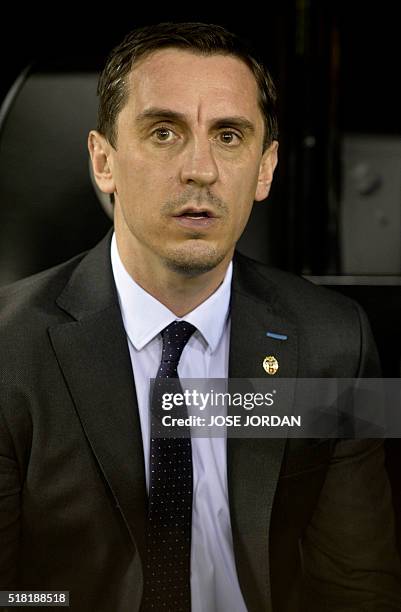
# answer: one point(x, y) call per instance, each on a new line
point(229, 138)
point(163, 135)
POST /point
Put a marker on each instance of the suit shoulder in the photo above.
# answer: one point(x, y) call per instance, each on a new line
point(35, 294)
point(300, 298)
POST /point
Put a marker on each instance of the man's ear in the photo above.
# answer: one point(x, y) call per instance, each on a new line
point(100, 151)
point(266, 171)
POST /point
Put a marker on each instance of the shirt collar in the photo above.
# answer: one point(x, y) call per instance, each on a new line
point(144, 316)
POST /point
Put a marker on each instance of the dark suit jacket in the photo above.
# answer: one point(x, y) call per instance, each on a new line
point(311, 519)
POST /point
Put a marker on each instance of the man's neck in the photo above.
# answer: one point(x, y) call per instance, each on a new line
point(178, 292)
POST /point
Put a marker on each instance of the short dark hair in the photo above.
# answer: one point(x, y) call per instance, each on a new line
point(201, 38)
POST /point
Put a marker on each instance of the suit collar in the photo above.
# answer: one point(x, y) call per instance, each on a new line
point(91, 288)
point(93, 355)
point(256, 310)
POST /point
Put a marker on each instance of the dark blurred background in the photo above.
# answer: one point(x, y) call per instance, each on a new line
point(335, 206)
point(334, 214)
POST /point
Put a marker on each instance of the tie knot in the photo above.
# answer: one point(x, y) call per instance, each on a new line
point(175, 336)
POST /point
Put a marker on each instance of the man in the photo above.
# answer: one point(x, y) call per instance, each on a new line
point(186, 142)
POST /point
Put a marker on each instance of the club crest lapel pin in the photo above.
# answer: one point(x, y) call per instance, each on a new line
point(270, 364)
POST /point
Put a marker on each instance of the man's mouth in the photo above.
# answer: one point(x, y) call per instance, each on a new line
point(199, 218)
point(196, 213)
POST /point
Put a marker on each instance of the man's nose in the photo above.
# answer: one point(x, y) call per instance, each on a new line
point(199, 165)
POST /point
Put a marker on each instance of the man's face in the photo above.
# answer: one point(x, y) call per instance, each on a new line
point(189, 160)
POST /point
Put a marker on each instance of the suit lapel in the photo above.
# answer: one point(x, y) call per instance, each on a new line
point(93, 355)
point(254, 463)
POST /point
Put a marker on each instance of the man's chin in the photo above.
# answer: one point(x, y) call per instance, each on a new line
point(193, 262)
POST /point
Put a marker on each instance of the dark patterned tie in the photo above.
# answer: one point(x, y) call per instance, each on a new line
point(167, 572)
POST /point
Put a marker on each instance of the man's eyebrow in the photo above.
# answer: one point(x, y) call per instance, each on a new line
point(237, 121)
point(241, 123)
point(160, 113)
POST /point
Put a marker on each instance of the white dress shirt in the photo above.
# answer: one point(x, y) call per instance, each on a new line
point(214, 581)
